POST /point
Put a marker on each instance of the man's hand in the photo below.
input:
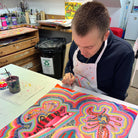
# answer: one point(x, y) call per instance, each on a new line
point(68, 79)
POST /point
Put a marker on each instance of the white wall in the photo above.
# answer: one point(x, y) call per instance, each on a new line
point(115, 16)
point(135, 2)
point(114, 8)
point(110, 3)
point(49, 6)
point(10, 4)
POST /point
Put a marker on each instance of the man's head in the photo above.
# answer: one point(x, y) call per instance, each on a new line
point(91, 15)
point(90, 27)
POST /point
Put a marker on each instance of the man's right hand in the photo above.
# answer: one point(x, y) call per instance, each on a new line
point(68, 79)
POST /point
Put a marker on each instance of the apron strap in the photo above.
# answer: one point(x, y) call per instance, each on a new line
point(99, 57)
point(75, 53)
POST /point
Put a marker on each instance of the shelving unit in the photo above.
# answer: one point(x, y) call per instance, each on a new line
point(17, 47)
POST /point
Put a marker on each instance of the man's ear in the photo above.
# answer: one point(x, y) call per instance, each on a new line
point(106, 35)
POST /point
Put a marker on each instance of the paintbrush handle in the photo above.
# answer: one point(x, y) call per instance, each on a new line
point(8, 73)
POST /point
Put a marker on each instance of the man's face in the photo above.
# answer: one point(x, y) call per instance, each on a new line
point(88, 44)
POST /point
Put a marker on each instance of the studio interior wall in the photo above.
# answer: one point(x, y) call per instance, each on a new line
point(10, 4)
point(57, 7)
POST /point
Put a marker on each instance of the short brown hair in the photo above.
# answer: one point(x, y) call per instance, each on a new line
point(91, 15)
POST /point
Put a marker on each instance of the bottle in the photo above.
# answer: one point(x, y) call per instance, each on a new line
point(0, 22)
point(18, 18)
point(14, 19)
point(9, 18)
point(23, 20)
point(6, 17)
point(3, 20)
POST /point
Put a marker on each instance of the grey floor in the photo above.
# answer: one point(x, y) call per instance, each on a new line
point(132, 95)
point(132, 92)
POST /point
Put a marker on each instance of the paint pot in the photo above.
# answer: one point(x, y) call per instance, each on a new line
point(0, 22)
point(14, 19)
point(3, 21)
point(13, 84)
point(3, 85)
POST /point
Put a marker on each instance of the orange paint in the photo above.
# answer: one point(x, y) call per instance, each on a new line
point(92, 78)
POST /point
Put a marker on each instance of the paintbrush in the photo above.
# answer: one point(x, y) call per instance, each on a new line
point(70, 71)
point(8, 74)
point(70, 74)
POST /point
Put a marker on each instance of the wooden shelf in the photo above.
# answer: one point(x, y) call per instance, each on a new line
point(55, 29)
point(16, 32)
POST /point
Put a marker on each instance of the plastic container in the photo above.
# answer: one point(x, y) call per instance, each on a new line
point(52, 53)
point(0, 22)
point(3, 21)
point(14, 19)
point(7, 20)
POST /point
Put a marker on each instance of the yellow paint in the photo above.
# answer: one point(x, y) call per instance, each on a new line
point(2, 82)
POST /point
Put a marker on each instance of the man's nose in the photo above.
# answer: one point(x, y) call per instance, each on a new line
point(83, 51)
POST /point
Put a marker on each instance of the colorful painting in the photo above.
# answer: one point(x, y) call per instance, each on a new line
point(66, 113)
point(71, 8)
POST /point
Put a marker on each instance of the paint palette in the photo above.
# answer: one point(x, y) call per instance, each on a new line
point(3, 84)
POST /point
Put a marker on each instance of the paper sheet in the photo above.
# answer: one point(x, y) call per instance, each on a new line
point(28, 90)
point(68, 113)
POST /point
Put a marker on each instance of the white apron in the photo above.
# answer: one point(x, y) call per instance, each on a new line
point(86, 73)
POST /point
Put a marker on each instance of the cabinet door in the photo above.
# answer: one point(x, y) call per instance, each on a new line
point(132, 27)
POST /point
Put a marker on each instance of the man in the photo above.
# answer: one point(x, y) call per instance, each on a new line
point(98, 60)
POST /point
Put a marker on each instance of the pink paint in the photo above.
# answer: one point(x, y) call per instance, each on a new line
point(3, 21)
point(82, 78)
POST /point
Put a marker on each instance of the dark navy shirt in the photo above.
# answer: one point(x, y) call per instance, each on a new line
point(114, 68)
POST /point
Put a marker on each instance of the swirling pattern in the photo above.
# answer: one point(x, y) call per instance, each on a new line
point(68, 113)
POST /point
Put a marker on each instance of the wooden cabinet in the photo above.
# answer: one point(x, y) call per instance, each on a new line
point(17, 47)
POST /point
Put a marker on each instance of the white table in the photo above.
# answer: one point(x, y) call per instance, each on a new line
point(9, 110)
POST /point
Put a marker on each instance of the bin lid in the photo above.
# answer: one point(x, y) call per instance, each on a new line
point(52, 43)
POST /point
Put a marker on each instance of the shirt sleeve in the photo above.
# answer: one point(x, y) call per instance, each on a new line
point(69, 66)
point(122, 75)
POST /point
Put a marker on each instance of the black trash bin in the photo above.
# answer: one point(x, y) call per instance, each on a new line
point(52, 51)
